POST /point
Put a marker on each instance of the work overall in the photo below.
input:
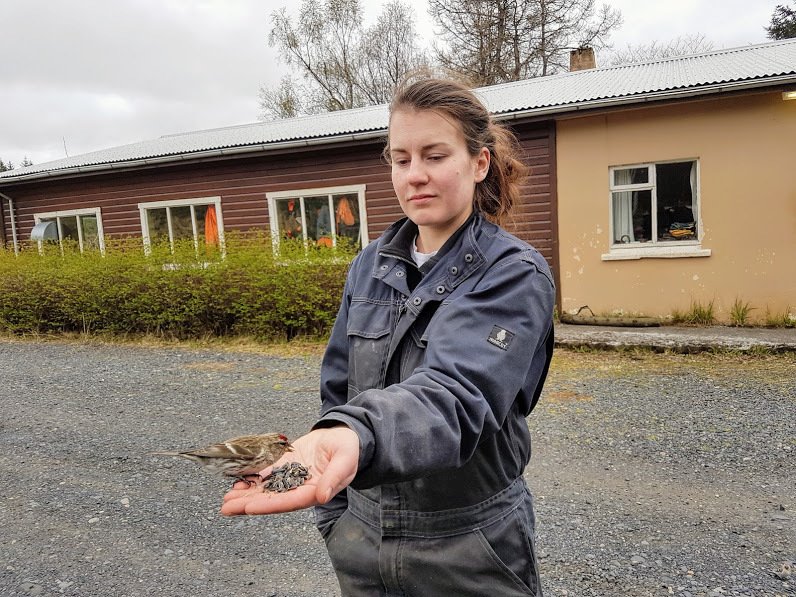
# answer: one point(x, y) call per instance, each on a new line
point(438, 369)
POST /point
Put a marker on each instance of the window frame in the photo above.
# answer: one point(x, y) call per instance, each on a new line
point(191, 203)
point(653, 248)
point(68, 213)
point(302, 194)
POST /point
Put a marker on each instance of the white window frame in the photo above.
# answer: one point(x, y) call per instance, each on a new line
point(215, 201)
point(300, 194)
point(57, 215)
point(653, 248)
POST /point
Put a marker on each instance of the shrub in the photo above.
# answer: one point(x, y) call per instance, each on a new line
point(182, 294)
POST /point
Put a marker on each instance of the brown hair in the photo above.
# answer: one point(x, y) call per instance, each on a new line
point(496, 195)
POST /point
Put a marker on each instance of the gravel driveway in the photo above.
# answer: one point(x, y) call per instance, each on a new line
point(653, 474)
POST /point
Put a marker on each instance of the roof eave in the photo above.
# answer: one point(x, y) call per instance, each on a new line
point(540, 112)
point(649, 97)
point(175, 158)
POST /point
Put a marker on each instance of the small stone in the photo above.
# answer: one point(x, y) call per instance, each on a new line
point(93, 520)
point(636, 560)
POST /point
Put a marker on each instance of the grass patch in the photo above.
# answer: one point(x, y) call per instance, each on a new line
point(739, 313)
point(698, 314)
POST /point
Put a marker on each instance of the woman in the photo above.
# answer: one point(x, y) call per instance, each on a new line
point(438, 354)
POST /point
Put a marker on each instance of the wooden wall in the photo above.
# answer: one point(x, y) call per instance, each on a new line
point(242, 183)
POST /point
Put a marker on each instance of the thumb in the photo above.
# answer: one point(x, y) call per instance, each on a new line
point(339, 473)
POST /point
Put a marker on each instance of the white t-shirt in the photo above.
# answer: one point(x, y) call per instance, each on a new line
point(420, 258)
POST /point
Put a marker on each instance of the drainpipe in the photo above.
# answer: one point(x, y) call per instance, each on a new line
point(13, 222)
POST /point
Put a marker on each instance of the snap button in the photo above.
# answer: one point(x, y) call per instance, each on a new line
point(454, 270)
point(399, 274)
point(416, 301)
point(440, 290)
point(468, 258)
point(384, 267)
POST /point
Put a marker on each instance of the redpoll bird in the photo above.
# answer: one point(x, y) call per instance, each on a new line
point(238, 457)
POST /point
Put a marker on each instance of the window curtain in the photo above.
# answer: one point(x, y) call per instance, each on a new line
point(211, 226)
point(623, 206)
point(693, 182)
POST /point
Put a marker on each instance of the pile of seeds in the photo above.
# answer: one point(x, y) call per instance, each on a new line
point(286, 477)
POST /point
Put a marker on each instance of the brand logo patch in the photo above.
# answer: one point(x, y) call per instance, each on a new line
point(500, 337)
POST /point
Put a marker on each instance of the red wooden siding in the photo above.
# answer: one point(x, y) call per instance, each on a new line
point(242, 183)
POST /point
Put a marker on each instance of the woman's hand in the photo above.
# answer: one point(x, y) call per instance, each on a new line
point(332, 457)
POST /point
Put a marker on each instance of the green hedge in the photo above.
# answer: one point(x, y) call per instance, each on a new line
point(249, 292)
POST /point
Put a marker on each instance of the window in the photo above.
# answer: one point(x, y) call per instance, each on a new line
point(655, 210)
point(198, 220)
point(320, 217)
point(83, 227)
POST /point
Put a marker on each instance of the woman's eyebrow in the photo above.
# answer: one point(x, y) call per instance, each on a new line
point(430, 146)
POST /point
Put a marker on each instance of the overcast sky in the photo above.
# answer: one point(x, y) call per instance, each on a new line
point(84, 75)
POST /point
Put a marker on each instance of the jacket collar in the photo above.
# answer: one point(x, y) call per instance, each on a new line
point(459, 257)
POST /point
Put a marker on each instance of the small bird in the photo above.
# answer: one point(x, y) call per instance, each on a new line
point(239, 457)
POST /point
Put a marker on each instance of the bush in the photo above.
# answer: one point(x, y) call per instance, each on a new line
point(182, 294)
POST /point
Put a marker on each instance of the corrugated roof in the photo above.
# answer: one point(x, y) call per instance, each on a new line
point(712, 72)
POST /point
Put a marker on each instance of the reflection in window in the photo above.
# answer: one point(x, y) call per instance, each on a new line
point(320, 218)
point(654, 203)
point(196, 220)
point(80, 228)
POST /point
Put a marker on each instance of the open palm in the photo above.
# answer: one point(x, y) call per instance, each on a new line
point(332, 457)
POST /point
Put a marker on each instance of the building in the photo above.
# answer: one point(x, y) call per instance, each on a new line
point(653, 186)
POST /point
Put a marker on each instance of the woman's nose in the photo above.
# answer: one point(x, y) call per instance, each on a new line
point(417, 173)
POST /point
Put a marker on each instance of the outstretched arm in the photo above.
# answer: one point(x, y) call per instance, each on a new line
point(332, 457)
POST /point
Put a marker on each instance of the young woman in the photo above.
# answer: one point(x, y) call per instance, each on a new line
point(439, 352)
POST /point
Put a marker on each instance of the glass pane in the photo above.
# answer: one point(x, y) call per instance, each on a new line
point(624, 176)
point(90, 232)
point(181, 226)
point(200, 211)
point(69, 229)
point(676, 201)
point(158, 226)
point(346, 218)
point(632, 215)
point(288, 213)
point(319, 222)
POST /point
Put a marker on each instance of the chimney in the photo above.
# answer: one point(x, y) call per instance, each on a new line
point(581, 59)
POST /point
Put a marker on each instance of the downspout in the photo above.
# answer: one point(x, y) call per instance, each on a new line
point(13, 222)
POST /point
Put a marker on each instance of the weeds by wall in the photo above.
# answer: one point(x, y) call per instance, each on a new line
point(184, 294)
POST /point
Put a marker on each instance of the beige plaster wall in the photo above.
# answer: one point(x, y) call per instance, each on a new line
point(746, 147)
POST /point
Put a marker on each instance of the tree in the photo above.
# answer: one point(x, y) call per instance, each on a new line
point(655, 50)
point(5, 166)
point(783, 23)
point(341, 63)
point(571, 24)
point(507, 40)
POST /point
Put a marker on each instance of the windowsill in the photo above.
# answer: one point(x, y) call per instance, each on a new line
point(655, 252)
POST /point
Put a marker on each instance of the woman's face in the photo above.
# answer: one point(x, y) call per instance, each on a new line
point(433, 174)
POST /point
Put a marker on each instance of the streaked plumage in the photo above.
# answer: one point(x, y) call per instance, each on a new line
point(238, 457)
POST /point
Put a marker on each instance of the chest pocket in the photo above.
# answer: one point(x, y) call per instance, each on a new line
point(368, 329)
point(414, 346)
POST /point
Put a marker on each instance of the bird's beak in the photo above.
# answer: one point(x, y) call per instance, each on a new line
point(289, 448)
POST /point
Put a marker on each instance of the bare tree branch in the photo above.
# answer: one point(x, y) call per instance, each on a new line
point(342, 64)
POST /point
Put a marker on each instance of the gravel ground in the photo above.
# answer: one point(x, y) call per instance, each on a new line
point(653, 474)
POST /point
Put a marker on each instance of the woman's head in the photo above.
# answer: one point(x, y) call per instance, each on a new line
point(496, 194)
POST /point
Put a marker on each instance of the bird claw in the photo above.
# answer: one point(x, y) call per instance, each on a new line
point(248, 481)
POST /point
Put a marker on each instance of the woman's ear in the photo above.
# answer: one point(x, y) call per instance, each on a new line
point(482, 161)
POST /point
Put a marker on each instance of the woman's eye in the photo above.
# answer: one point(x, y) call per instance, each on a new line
point(436, 158)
